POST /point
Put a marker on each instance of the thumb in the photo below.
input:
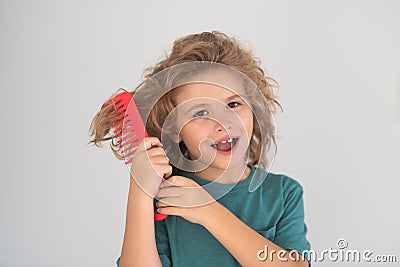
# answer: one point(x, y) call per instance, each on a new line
point(179, 181)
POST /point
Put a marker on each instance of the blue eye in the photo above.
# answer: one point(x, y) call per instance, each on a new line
point(201, 113)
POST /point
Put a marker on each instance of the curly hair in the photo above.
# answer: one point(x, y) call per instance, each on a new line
point(213, 47)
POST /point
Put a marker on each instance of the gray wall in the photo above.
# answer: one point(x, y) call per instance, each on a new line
point(63, 202)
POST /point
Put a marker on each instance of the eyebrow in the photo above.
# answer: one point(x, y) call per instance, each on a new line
point(196, 106)
point(231, 97)
point(206, 104)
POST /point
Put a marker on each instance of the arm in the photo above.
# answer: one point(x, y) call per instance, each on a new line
point(149, 164)
point(243, 242)
point(238, 238)
point(139, 244)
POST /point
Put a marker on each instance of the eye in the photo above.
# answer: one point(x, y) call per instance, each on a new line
point(201, 113)
point(233, 104)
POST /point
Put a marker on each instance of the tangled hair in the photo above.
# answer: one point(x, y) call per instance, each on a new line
point(214, 47)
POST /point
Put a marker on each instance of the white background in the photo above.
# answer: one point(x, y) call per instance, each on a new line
point(338, 63)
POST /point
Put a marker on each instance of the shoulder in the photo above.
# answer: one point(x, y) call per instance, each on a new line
point(279, 182)
point(287, 182)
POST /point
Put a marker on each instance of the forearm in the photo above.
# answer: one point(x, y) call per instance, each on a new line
point(243, 242)
point(139, 247)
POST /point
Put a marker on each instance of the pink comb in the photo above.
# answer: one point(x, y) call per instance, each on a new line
point(130, 129)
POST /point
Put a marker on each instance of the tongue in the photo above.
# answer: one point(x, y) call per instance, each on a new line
point(224, 147)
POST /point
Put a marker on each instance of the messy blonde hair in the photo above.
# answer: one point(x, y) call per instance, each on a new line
point(203, 47)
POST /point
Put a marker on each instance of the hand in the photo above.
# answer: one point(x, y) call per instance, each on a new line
point(150, 165)
point(184, 197)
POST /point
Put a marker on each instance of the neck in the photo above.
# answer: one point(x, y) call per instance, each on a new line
point(225, 176)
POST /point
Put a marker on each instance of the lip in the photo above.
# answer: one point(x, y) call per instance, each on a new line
point(230, 151)
point(227, 137)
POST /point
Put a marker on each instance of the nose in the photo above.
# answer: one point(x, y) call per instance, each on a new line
point(224, 119)
point(221, 128)
point(223, 124)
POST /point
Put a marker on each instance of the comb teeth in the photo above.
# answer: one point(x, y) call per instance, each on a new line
point(128, 126)
point(129, 130)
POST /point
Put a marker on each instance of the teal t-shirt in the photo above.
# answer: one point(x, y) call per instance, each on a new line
point(275, 210)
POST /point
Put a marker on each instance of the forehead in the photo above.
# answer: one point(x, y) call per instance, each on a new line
point(217, 84)
point(203, 91)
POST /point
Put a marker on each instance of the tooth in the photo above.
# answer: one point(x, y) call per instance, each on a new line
point(226, 141)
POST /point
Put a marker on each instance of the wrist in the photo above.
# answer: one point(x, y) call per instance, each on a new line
point(214, 214)
point(137, 191)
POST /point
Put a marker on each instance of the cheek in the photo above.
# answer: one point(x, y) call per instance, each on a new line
point(247, 119)
point(191, 134)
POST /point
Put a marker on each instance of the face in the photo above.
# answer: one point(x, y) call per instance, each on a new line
point(215, 124)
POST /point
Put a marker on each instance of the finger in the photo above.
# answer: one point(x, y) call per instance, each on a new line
point(156, 151)
point(164, 203)
point(159, 160)
point(170, 211)
point(149, 142)
point(167, 202)
point(167, 183)
point(163, 170)
point(157, 155)
point(179, 181)
point(172, 191)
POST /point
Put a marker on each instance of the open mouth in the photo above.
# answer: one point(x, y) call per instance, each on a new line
point(226, 145)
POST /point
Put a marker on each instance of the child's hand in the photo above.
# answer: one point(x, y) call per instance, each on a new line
point(150, 165)
point(184, 197)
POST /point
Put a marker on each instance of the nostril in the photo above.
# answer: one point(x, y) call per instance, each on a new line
point(220, 129)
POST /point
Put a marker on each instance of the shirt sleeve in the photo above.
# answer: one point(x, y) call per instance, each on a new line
point(291, 229)
point(162, 243)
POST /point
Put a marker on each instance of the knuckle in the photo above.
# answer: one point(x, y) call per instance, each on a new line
point(155, 150)
point(146, 140)
point(154, 139)
point(160, 149)
point(149, 140)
